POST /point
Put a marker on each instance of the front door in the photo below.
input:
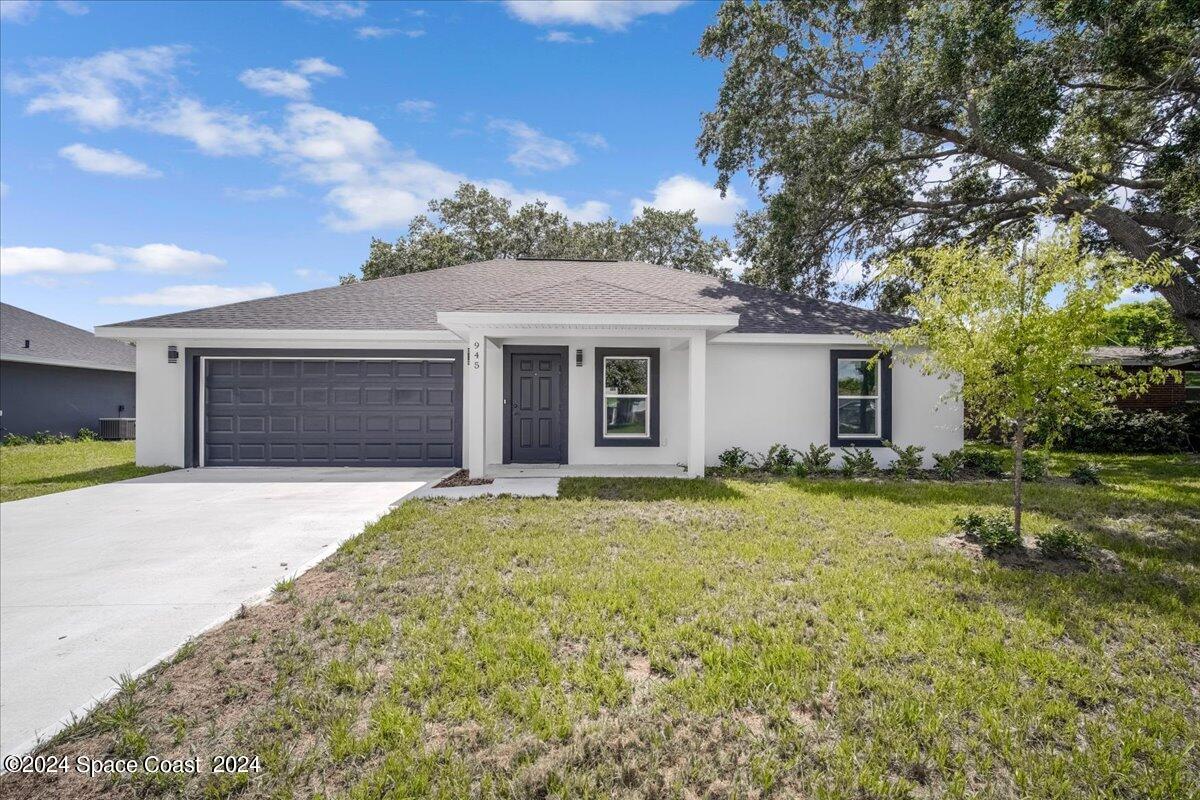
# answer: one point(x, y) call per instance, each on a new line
point(536, 407)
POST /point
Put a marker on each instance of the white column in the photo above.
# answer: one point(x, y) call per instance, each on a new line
point(476, 406)
point(697, 388)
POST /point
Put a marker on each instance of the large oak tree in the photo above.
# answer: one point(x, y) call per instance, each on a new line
point(876, 126)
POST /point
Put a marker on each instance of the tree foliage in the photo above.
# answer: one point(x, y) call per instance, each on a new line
point(875, 127)
point(476, 225)
point(1014, 328)
point(1149, 325)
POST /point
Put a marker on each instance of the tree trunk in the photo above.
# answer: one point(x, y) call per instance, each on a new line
point(1018, 457)
point(1183, 295)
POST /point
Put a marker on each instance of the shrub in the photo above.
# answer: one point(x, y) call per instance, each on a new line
point(734, 458)
point(1034, 466)
point(1086, 474)
point(86, 435)
point(987, 463)
point(908, 461)
point(1116, 431)
point(858, 462)
point(816, 459)
point(14, 439)
point(46, 437)
point(779, 459)
point(948, 465)
point(1061, 542)
point(800, 470)
point(995, 533)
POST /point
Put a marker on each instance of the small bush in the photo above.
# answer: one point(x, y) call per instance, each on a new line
point(1086, 474)
point(86, 435)
point(1034, 466)
point(816, 459)
point(734, 458)
point(948, 465)
point(987, 463)
point(779, 459)
point(908, 461)
point(14, 439)
point(1061, 542)
point(800, 470)
point(46, 437)
point(995, 533)
point(1115, 431)
point(858, 462)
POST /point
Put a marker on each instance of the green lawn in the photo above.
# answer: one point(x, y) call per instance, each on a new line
point(33, 469)
point(672, 638)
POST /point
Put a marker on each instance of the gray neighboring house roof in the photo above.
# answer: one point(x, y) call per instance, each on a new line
point(1137, 357)
point(54, 342)
point(412, 302)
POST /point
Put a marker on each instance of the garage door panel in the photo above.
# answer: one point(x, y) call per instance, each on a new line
point(264, 412)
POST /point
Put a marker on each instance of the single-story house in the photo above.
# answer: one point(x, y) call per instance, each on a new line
point(1171, 396)
point(57, 378)
point(520, 362)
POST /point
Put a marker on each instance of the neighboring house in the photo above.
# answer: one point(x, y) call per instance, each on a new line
point(1170, 396)
point(523, 361)
point(57, 378)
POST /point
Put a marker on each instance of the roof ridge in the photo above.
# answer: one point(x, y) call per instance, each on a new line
point(651, 294)
point(541, 288)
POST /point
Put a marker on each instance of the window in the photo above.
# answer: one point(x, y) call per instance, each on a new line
point(1191, 386)
point(626, 397)
point(860, 402)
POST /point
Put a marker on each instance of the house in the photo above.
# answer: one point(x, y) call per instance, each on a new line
point(1173, 395)
point(57, 378)
point(524, 362)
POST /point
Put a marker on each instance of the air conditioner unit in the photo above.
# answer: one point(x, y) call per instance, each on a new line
point(117, 428)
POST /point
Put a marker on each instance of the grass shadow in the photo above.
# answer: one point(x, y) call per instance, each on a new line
point(647, 489)
point(116, 472)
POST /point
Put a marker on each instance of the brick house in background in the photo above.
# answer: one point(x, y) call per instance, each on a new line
point(1170, 396)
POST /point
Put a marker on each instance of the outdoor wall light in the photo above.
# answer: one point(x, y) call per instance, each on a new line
point(579, 357)
point(172, 354)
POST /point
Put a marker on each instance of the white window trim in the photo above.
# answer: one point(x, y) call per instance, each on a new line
point(646, 396)
point(1187, 389)
point(877, 397)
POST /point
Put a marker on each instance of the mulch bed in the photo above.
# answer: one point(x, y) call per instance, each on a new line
point(461, 478)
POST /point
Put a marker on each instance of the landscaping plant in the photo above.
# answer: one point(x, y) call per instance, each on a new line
point(1061, 542)
point(1036, 467)
point(1086, 474)
point(908, 461)
point(948, 465)
point(734, 459)
point(1013, 328)
point(856, 461)
point(987, 463)
point(996, 533)
point(779, 459)
point(816, 459)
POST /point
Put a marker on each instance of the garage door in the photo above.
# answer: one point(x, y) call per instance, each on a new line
point(303, 412)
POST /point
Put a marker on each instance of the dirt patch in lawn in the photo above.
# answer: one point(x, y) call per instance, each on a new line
point(461, 478)
point(1028, 556)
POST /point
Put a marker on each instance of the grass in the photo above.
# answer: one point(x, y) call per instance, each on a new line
point(675, 638)
point(30, 470)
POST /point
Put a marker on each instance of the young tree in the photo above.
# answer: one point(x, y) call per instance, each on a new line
point(875, 127)
point(1016, 326)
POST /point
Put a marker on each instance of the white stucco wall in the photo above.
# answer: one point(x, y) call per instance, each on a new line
point(760, 394)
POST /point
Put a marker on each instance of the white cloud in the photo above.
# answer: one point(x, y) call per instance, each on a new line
point(735, 267)
point(685, 193)
point(18, 11)
point(314, 275)
point(613, 15)
point(276, 82)
point(3, 190)
point(849, 271)
point(88, 90)
point(319, 134)
point(162, 259)
point(72, 7)
point(214, 131)
point(318, 67)
point(106, 162)
point(565, 37)
point(330, 9)
point(254, 195)
point(421, 109)
point(532, 149)
point(595, 141)
point(375, 32)
point(25, 260)
point(193, 296)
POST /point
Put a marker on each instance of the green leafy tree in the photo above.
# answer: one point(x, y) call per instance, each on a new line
point(1149, 325)
point(1015, 328)
point(874, 127)
point(476, 225)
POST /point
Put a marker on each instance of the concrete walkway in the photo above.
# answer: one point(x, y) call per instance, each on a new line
point(111, 579)
point(517, 487)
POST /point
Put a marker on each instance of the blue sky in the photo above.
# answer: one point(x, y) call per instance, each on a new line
point(172, 155)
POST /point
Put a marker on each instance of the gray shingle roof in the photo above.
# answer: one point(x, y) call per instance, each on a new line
point(1137, 357)
point(53, 341)
point(411, 302)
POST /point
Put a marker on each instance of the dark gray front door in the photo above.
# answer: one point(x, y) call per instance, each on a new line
point(536, 401)
point(291, 412)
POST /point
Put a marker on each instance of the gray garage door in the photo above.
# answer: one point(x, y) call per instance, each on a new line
point(291, 412)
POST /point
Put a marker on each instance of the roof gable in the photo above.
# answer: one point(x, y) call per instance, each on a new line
point(51, 341)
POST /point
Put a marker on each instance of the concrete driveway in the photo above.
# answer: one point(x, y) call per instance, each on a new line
point(112, 579)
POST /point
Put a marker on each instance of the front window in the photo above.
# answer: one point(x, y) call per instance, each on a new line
point(1191, 386)
point(858, 400)
point(626, 397)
